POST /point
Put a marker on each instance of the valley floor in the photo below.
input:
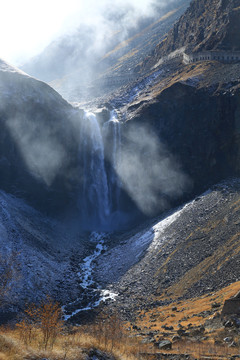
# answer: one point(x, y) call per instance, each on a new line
point(194, 328)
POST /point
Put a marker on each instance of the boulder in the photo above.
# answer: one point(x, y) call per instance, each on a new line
point(176, 338)
point(165, 344)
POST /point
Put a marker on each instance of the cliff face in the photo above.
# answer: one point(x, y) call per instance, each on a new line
point(197, 118)
point(206, 25)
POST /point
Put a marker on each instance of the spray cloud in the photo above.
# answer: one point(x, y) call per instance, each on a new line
point(42, 152)
point(148, 172)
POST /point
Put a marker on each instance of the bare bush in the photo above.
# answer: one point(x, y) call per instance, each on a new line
point(46, 317)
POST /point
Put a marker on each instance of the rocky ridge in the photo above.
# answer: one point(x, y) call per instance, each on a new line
point(206, 25)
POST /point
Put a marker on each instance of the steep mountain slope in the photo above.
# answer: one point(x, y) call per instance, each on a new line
point(36, 141)
point(177, 133)
point(40, 251)
point(192, 251)
point(206, 25)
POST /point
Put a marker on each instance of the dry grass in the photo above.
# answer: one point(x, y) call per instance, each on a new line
point(190, 314)
point(113, 337)
point(209, 349)
point(71, 345)
point(188, 310)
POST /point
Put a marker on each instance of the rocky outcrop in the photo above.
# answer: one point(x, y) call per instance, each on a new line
point(232, 306)
point(206, 25)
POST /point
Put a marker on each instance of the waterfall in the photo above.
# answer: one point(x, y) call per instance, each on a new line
point(100, 150)
point(112, 130)
point(94, 203)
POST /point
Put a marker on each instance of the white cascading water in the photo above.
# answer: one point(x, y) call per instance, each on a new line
point(113, 127)
point(99, 198)
point(100, 187)
point(95, 294)
point(116, 153)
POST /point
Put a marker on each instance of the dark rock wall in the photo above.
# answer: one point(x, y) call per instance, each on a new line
point(200, 128)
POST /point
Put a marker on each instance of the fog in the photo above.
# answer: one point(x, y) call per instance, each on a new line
point(27, 27)
point(148, 172)
point(43, 153)
point(75, 56)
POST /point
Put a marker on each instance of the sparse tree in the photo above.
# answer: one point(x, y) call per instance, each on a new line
point(46, 317)
point(50, 321)
point(109, 329)
point(27, 325)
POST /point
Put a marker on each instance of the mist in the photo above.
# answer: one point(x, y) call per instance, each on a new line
point(148, 172)
point(75, 56)
point(40, 23)
point(42, 152)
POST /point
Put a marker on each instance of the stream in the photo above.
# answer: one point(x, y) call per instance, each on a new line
point(92, 294)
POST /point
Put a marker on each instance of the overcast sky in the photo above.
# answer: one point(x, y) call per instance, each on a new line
point(28, 26)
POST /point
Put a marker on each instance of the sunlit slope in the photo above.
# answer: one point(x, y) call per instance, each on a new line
point(127, 55)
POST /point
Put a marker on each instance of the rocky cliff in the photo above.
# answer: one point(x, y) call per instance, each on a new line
point(194, 112)
point(206, 25)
